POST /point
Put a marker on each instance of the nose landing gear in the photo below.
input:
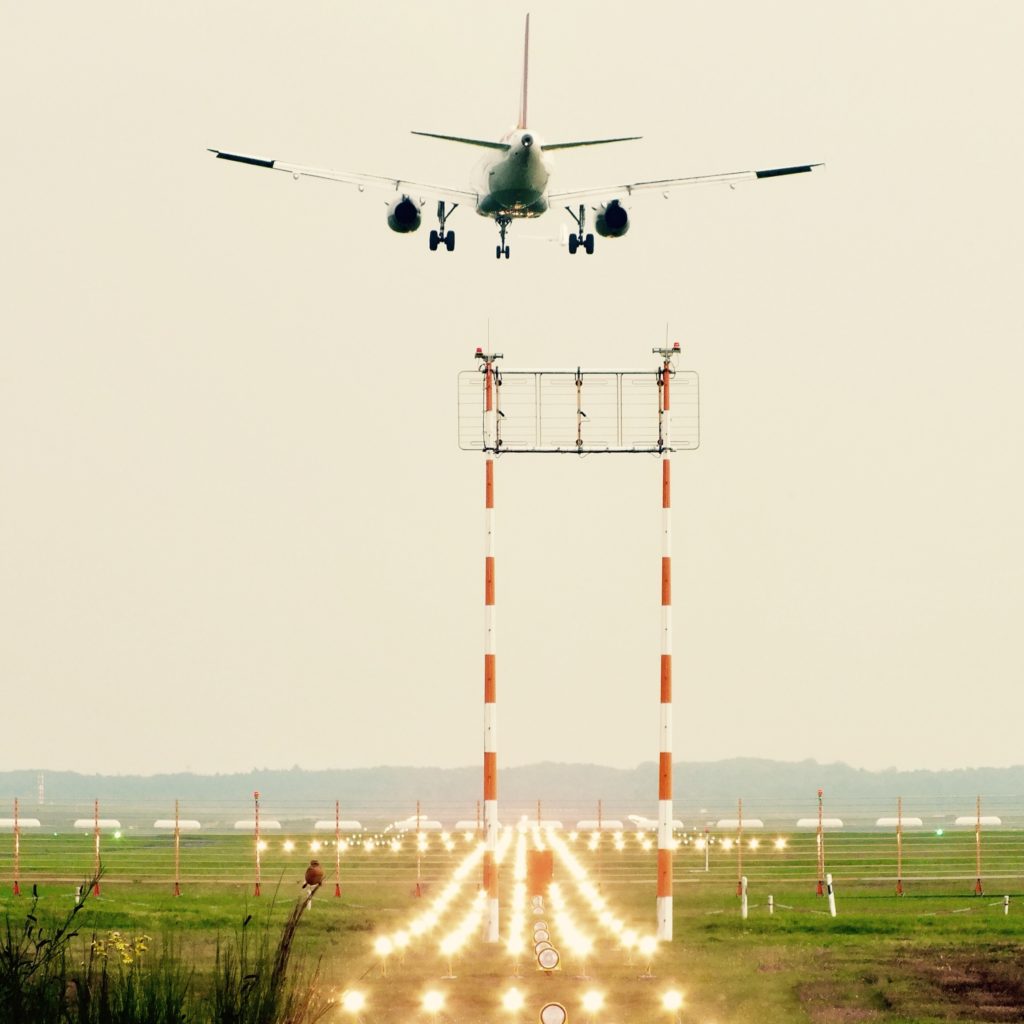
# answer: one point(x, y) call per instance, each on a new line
point(575, 241)
point(502, 249)
point(442, 237)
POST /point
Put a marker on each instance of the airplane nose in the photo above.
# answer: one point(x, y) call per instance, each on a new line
point(527, 141)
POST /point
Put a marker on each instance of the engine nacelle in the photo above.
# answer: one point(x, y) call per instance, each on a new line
point(612, 220)
point(403, 215)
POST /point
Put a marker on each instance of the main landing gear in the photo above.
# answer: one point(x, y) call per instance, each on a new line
point(442, 237)
point(502, 248)
point(575, 241)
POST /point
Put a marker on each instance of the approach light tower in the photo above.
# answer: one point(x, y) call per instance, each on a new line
point(579, 412)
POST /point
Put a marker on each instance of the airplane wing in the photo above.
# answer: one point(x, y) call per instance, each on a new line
point(665, 184)
point(349, 177)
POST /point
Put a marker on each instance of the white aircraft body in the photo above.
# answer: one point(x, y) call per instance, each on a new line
point(512, 184)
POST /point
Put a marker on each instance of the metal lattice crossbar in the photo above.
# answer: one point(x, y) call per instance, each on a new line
point(579, 411)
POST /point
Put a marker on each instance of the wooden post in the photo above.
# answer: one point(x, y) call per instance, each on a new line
point(177, 851)
point(899, 846)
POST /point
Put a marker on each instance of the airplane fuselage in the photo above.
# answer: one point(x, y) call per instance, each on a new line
point(515, 184)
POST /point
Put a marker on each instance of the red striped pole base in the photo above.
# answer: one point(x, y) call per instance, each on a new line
point(337, 889)
point(96, 889)
point(177, 889)
point(17, 888)
point(899, 886)
point(256, 890)
point(977, 888)
point(821, 888)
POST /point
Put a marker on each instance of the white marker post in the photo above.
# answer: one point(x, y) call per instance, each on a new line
point(831, 895)
point(771, 905)
point(743, 897)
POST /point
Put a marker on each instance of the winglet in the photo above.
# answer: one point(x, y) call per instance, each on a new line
point(526, 75)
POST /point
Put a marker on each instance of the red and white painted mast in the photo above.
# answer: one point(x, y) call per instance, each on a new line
point(491, 444)
point(665, 816)
point(17, 850)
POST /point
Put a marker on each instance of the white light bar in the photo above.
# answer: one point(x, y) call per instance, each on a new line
point(184, 825)
point(345, 825)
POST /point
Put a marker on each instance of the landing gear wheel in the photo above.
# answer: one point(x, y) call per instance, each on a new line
point(497, 252)
point(440, 236)
point(588, 244)
point(574, 244)
point(503, 221)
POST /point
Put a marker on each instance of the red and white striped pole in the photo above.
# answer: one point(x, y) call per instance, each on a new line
point(17, 850)
point(337, 847)
point(491, 442)
point(256, 831)
point(664, 903)
point(96, 847)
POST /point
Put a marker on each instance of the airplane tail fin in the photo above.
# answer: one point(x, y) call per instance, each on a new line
point(526, 75)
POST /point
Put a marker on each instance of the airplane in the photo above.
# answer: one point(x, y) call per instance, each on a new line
point(512, 184)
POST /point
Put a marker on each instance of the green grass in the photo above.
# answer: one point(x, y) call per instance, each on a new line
point(937, 953)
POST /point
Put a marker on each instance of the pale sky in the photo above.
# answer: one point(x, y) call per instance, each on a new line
point(235, 526)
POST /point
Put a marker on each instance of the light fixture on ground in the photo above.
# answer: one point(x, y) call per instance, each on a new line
point(433, 1002)
point(513, 1000)
point(553, 1013)
point(672, 1001)
point(353, 1001)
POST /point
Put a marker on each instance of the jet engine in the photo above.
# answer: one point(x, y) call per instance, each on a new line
point(403, 215)
point(612, 220)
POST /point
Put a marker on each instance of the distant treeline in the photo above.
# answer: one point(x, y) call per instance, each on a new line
point(702, 790)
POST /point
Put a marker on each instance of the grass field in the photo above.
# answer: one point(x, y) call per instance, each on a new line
point(937, 953)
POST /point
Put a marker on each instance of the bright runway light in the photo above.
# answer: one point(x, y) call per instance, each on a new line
point(396, 845)
point(780, 844)
point(368, 846)
point(672, 1000)
point(700, 844)
point(433, 1001)
point(513, 1000)
point(315, 846)
point(573, 836)
point(261, 845)
point(646, 844)
point(449, 845)
point(727, 845)
point(647, 946)
point(288, 846)
point(468, 836)
point(753, 844)
point(383, 946)
point(353, 1001)
point(592, 1001)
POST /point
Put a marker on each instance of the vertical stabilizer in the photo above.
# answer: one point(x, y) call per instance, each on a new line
point(526, 75)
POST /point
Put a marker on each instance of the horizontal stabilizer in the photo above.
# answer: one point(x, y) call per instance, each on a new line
point(255, 161)
point(466, 142)
point(776, 172)
point(588, 142)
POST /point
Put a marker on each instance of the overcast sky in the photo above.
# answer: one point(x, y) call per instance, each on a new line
point(235, 526)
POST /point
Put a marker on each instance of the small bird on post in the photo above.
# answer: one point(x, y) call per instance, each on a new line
point(314, 875)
